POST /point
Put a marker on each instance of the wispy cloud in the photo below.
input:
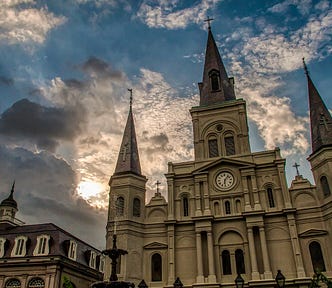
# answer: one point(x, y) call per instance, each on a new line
point(167, 14)
point(21, 22)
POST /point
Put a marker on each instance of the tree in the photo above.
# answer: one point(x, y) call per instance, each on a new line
point(320, 277)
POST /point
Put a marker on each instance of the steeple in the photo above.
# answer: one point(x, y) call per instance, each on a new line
point(128, 159)
point(320, 117)
point(216, 86)
point(10, 202)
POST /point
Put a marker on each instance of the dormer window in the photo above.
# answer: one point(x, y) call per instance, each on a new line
point(72, 251)
point(215, 80)
point(20, 246)
point(42, 246)
point(2, 246)
point(93, 258)
point(102, 264)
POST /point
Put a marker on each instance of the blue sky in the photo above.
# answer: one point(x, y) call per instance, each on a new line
point(66, 65)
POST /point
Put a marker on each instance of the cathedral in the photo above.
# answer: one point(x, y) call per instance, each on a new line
point(229, 212)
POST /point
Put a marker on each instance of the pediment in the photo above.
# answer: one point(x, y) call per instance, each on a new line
point(155, 245)
point(226, 162)
point(312, 232)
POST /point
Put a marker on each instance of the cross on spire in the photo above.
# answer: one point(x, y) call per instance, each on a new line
point(158, 183)
point(209, 20)
point(131, 96)
point(305, 67)
point(296, 166)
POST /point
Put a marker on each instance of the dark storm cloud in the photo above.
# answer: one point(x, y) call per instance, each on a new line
point(45, 192)
point(74, 83)
point(157, 143)
point(101, 68)
point(45, 125)
point(5, 81)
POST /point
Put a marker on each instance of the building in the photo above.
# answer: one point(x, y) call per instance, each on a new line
point(43, 255)
point(229, 211)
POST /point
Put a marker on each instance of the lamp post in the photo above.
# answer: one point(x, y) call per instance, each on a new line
point(280, 279)
point(239, 282)
point(177, 283)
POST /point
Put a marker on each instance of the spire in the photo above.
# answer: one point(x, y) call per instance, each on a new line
point(216, 86)
point(320, 117)
point(128, 159)
point(10, 200)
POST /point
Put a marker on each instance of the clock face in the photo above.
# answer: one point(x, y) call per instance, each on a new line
point(224, 180)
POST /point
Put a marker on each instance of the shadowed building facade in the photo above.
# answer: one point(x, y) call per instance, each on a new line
point(43, 255)
point(229, 211)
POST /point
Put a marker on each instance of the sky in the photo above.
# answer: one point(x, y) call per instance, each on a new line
point(66, 65)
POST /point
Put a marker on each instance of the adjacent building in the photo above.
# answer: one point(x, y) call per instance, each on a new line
point(43, 255)
point(229, 211)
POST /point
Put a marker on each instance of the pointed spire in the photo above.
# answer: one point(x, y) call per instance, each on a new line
point(128, 159)
point(320, 117)
point(216, 86)
point(9, 201)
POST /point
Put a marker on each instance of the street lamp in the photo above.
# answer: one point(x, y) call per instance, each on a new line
point(142, 284)
point(177, 283)
point(280, 279)
point(239, 282)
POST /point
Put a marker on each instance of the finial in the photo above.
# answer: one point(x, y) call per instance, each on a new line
point(158, 183)
point(305, 67)
point(131, 97)
point(12, 190)
point(296, 166)
point(209, 20)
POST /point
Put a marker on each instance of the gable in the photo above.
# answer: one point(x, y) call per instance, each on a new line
point(224, 161)
point(155, 245)
point(312, 232)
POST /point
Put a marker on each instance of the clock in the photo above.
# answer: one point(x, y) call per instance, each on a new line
point(224, 180)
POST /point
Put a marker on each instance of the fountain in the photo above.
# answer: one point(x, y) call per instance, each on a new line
point(113, 254)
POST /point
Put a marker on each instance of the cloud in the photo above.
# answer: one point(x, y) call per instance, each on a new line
point(5, 81)
point(45, 192)
point(259, 61)
point(165, 14)
point(302, 5)
point(96, 67)
point(26, 24)
point(44, 125)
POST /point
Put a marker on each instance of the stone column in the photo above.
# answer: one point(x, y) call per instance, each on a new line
point(171, 262)
point(198, 211)
point(247, 206)
point(200, 276)
point(284, 188)
point(170, 205)
point(252, 251)
point(266, 260)
point(212, 274)
point(207, 210)
point(296, 246)
point(257, 204)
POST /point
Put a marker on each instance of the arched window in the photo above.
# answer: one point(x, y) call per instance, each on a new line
point(226, 262)
point(185, 203)
point(227, 207)
point(119, 206)
point(269, 192)
point(36, 283)
point(137, 207)
point(214, 78)
point(229, 145)
point(13, 283)
point(213, 148)
point(238, 206)
point(325, 186)
point(316, 256)
point(239, 260)
point(156, 267)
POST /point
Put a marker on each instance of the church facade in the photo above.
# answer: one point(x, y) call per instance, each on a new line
point(229, 211)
